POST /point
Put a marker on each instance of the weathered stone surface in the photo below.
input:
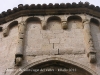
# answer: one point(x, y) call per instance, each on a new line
point(57, 31)
point(53, 42)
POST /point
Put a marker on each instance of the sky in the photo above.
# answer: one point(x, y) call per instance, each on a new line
point(10, 4)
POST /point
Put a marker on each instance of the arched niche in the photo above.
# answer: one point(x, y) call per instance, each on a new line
point(9, 27)
point(13, 24)
point(74, 22)
point(54, 23)
point(95, 32)
point(75, 31)
point(57, 66)
point(33, 22)
point(33, 19)
point(33, 29)
point(94, 21)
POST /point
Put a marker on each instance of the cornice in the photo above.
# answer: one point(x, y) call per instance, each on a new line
point(50, 9)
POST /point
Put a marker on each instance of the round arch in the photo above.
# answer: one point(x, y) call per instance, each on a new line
point(78, 18)
point(12, 24)
point(56, 62)
point(95, 21)
point(54, 18)
point(9, 27)
point(33, 19)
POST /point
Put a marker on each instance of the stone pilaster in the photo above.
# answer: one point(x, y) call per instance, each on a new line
point(20, 46)
point(89, 41)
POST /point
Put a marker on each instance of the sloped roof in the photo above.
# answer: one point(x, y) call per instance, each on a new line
point(50, 9)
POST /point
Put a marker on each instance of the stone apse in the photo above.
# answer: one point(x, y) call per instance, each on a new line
point(55, 39)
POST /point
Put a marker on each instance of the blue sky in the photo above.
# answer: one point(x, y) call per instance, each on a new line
point(10, 4)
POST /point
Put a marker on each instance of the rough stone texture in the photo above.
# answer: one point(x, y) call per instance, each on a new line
point(95, 30)
point(53, 42)
point(7, 50)
point(54, 38)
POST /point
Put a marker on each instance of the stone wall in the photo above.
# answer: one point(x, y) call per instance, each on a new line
point(53, 41)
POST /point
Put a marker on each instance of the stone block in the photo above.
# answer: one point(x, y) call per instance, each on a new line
point(55, 25)
point(47, 47)
point(78, 51)
point(55, 40)
point(45, 41)
point(46, 31)
point(57, 31)
point(65, 51)
point(48, 36)
point(63, 40)
point(5, 32)
point(60, 35)
point(79, 25)
point(42, 52)
point(54, 52)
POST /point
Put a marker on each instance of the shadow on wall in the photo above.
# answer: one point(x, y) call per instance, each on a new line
point(6, 31)
point(95, 32)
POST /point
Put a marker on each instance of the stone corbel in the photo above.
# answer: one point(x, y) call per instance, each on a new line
point(64, 25)
point(92, 57)
point(19, 53)
point(44, 26)
point(18, 61)
point(5, 32)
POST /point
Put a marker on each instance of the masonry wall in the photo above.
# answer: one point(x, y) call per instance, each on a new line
point(54, 41)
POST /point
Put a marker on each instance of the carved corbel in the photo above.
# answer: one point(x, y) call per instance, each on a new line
point(18, 60)
point(64, 25)
point(44, 26)
point(19, 53)
point(5, 32)
point(92, 57)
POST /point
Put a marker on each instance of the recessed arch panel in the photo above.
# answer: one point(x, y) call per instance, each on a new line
point(33, 19)
point(95, 21)
point(54, 18)
point(12, 24)
point(74, 22)
point(76, 18)
point(54, 23)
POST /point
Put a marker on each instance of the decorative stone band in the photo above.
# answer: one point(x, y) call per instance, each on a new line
point(89, 41)
point(20, 46)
